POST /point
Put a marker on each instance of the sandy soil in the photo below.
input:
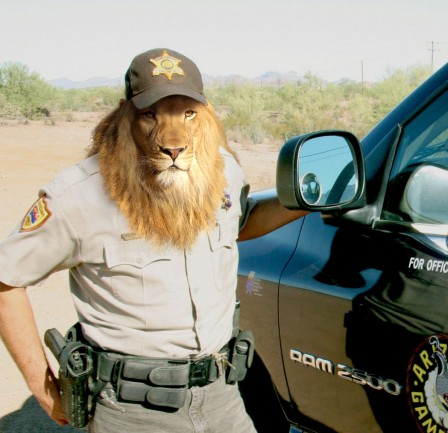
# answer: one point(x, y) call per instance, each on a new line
point(31, 154)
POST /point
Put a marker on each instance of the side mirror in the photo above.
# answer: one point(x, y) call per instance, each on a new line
point(321, 171)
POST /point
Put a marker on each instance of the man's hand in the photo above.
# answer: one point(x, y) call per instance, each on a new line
point(50, 399)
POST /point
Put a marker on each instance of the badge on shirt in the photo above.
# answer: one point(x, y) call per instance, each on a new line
point(226, 202)
point(36, 216)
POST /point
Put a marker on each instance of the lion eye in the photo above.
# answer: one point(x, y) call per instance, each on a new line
point(190, 114)
point(149, 114)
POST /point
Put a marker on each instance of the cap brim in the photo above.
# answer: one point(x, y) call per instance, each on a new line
point(149, 97)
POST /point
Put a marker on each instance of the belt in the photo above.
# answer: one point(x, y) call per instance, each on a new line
point(160, 382)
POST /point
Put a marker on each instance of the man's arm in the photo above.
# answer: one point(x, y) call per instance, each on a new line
point(20, 335)
point(267, 216)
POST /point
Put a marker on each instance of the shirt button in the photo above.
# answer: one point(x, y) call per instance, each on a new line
point(139, 260)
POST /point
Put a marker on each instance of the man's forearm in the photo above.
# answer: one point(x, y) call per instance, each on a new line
point(268, 215)
point(20, 335)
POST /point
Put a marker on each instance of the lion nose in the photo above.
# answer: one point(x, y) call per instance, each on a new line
point(173, 153)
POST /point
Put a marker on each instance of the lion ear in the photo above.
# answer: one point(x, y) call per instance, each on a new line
point(122, 101)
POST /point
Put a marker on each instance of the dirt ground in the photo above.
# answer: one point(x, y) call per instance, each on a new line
point(31, 154)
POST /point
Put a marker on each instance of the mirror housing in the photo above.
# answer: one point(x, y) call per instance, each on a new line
point(321, 171)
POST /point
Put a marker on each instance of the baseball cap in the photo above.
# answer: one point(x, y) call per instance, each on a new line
point(162, 72)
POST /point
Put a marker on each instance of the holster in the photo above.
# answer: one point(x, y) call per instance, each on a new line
point(75, 367)
point(241, 356)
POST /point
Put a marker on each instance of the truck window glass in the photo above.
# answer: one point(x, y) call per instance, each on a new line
point(418, 183)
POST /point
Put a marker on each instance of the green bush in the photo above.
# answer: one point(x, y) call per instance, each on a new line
point(26, 94)
point(277, 113)
point(23, 93)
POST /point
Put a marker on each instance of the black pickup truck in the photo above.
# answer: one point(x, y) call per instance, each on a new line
point(349, 305)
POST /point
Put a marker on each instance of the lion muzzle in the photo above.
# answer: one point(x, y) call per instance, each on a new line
point(173, 153)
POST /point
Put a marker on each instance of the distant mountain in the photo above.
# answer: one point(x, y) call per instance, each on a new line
point(277, 79)
point(66, 83)
point(271, 78)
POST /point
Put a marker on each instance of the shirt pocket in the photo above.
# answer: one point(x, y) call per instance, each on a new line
point(134, 270)
point(224, 254)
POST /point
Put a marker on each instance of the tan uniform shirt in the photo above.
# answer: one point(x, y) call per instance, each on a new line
point(130, 298)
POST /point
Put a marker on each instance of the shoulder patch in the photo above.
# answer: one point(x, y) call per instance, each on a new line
point(36, 216)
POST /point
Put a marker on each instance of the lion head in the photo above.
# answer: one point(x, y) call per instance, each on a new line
point(163, 168)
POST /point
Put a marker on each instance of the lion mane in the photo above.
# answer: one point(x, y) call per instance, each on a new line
point(164, 204)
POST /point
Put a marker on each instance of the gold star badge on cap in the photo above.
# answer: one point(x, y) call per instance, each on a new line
point(166, 64)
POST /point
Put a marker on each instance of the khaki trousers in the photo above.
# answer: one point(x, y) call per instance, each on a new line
point(215, 408)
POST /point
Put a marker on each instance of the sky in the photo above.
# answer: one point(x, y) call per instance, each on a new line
point(333, 39)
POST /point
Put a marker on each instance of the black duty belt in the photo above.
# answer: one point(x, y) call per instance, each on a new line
point(160, 382)
point(91, 375)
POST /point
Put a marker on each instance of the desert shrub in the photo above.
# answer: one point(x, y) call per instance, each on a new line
point(24, 93)
point(8, 110)
point(279, 112)
point(250, 112)
point(89, 99)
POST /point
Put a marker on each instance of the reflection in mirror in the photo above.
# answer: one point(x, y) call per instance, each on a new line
point(310, 187)
point(328, 167)
point(425, 195)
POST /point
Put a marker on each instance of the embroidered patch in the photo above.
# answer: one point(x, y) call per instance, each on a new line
point(36, 216)
point(166, 64)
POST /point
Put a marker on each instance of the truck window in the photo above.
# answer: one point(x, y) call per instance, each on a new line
point(418, 184)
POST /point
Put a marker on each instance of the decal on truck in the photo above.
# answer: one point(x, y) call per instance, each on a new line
point(253, 285)
point(431, 265)
point(427, 385)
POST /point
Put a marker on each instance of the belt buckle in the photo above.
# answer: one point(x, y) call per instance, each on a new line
point(199, 372)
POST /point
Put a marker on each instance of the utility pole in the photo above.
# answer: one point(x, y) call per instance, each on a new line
point(432, 49)
point(362, 73)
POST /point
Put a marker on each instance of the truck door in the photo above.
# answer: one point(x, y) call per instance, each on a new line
point(316, 294)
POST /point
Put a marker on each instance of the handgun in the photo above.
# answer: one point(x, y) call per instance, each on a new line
point(75, 365)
